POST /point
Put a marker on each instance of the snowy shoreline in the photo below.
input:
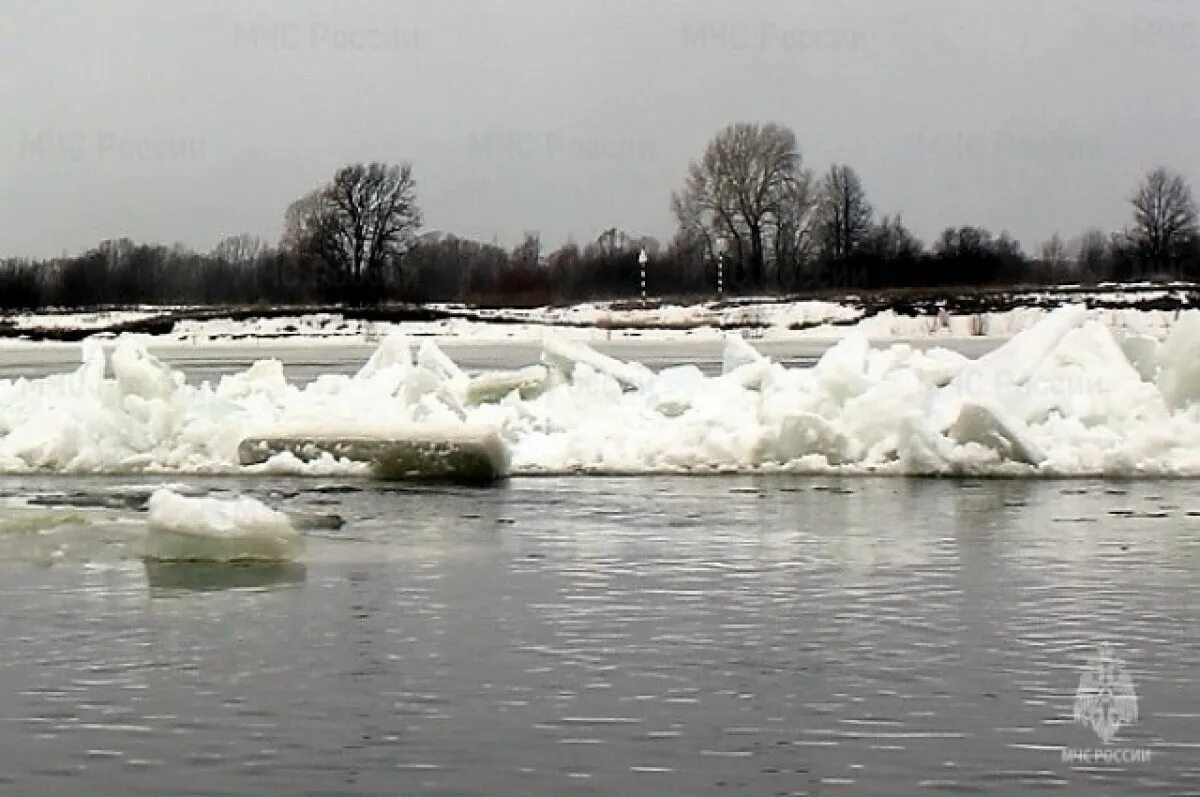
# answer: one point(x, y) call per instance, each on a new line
point(1142, 309)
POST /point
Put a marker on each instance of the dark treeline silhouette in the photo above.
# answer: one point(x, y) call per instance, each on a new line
point(748, 208)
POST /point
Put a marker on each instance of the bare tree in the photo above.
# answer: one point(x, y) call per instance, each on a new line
point(301, 222)
point(610, 242)
point(890, 241)
point(844, 216)
point(1165, 221)
point(1094, 255)
point(793, 229)
point(1055, 259)
point(735, 191)
point(240, 250)
point(964, 243)
point(360, 223)
point(1054, 251)
point(528, 253)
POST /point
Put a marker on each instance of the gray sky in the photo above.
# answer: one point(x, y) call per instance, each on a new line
point(182, 120)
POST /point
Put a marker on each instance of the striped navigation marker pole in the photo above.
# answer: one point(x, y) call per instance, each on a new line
point(643, 259)
point(722, 248)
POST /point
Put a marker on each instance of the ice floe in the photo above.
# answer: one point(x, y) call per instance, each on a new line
point(183, 529)
point(1068, 396)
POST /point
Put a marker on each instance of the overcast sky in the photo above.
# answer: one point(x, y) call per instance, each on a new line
point(180, 121)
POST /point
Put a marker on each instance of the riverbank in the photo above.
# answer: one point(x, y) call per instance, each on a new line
point(1143, 308)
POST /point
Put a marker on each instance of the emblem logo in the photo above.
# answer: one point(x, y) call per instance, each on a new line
point(1106, 699)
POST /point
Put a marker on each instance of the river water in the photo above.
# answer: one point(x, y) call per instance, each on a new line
point(602, 636)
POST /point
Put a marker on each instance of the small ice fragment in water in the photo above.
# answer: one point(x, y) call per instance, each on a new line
point(218, 530)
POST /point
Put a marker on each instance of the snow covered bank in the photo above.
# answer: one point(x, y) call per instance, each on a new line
point(215, 530)
point(99, 320)
point(890, 325)
point(590, 323)
point(1068, 396)
point(906, 315)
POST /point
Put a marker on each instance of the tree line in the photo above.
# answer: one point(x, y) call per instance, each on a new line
point(749, 208)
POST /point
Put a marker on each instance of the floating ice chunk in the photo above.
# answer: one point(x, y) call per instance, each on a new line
point(1142, 353)
point(738, 353)
point(49, 535)
point(939, 366)
point(36, 520)
point(460, 455)
point(921, 450)
point(992, 428)
point(1007, 374)
point(443, 386)
point(215, 530)
point(872, 419)
point(491, 387)
point(426, 452)
point(1021, 356)
point(1089, 377)
point(435, 360)
point(393, 352)
point(842, 372)
point(674, 389)
point(565, 355)
point(806, 434)
point(141, 374)
point(1179, 363)
point(264, 378)
point(749, 376)
point(89, 379)
point(418, 383)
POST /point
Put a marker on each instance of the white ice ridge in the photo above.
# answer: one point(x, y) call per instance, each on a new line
point(218, 530)
point(1064, 398)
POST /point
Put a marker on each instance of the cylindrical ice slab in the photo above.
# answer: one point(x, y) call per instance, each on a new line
point(473, 457)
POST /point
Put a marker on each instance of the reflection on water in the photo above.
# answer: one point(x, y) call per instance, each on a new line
point(167, 578)
point(611, 636)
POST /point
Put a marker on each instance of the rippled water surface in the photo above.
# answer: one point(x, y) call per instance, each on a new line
point(658, 636)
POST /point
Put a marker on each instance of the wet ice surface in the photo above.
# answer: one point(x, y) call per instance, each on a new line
point(602, 636)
